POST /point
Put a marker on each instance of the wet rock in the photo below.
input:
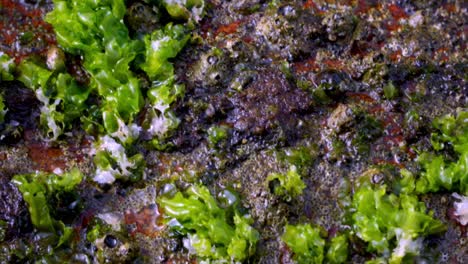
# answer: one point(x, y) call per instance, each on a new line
point(211, 68)
point(339, 117)
point(142, 18)
point(49, 159)
point(75, 68)
point(234, 79)
point(24, 32)
point(13, 210)
point(144, 221)
point(270, 100)
point(23, 111)
point(339, 25)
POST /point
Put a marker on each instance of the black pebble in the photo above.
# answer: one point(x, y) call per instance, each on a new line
point(111, 241)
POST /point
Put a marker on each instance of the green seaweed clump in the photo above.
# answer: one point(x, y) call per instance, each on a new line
point(7, 66)
point(38, 190)
point(217, 134)
point(391, 225)
point(305, 242)
point(102, 38)
point(442, 172)
point(337, 249)
point(212, 233)
point(3, 109)
point(290, 183)
point(184, 9)
point(63, 99)
point(110, 57)
point(309, 247)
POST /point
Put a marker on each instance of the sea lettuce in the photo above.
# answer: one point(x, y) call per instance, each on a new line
point(212, 233)
point(382, 219)
point(290, 183)
point(33, 75)
point(184, 9)
point(102, 38)
point(217, 134)
point(7, 66)
point(162, 45)
point(308, 245)
point(160, 118)
point(113, 162)
point(305, 242)
point(3, 109)
point(392, 220)
point(90, 21)
point(337, 249)
point(104, 42)
point(440, 171)
point(63, 100)
point(37, 189)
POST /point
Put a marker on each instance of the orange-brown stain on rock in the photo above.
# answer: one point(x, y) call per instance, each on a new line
point(46, 158)
point(20, 19)
point(147, 221)
point(229, 28)
point(397, 12)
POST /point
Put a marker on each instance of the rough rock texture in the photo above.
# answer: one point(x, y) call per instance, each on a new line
point(279, 75)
